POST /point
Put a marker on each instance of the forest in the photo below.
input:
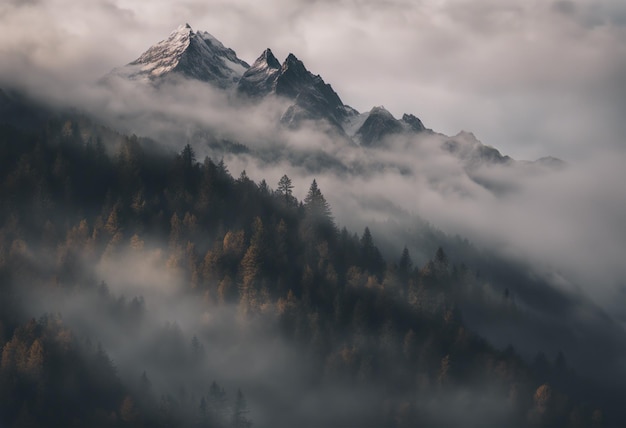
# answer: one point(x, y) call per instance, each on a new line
point(136, 285)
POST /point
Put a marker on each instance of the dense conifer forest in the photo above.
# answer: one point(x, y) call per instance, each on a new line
point(378, 342)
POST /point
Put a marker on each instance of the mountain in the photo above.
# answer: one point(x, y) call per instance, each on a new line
point(378, 124)
point(188, 53)
point(260, 79)
point(313, 99)
point(199, 56)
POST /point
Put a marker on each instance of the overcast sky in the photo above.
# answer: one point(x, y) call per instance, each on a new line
point(532, 77)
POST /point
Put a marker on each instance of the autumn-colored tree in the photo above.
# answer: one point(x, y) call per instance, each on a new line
point(542, 411)
point(444, 371)
point(34, 365)
point(128, 411)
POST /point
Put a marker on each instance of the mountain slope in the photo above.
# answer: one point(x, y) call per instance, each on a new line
point(313, 99)
point(260, 79)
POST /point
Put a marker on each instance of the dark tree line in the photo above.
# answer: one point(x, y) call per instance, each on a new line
point(357, 319)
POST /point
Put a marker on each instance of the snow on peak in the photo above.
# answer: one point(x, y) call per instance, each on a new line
point(260, 79)
point(266, 63)
point(165, 55)
point(192, 54)
point(292, 62)
point(381, 110)
point(269, 59)
point(210, 39)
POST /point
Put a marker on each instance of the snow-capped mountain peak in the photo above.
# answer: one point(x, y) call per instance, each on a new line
point(260, 79)
point(269, 59)
point(165, 55)
point(198, 55)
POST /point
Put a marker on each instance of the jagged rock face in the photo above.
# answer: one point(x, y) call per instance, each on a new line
point(317, 101)
point(260, 79)
point(310, 92)
point(490, 155)
point(378, 125)
point(196, 55)
point(474, 153)
point(413, 123)
point(294, 78)
point(199, 55)
point(313, 98)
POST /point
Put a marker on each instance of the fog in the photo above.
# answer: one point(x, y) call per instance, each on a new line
point(558, 92)
point(145, 319)
point(534, 79)
point(566, 222)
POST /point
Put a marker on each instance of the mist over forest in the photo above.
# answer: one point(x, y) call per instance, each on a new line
point(197, 240)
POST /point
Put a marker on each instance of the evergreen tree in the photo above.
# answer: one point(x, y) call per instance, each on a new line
point(240, 410)
point(371, 259)
point(316, 205)
point(405, 264)
point(188, 156)
point(285, 190)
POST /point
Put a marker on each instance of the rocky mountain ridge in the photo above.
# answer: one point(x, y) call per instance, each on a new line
point(198, 55)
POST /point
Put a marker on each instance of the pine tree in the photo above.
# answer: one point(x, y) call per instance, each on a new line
point(285, 190)
point(405, 264)
point(316, 205)
point(240, 410)
point(188, 156)
point(371, 259)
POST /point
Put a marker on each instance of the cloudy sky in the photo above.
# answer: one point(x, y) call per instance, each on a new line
point(532, 77)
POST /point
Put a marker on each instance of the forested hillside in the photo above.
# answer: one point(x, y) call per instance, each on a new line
point(363, 341)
